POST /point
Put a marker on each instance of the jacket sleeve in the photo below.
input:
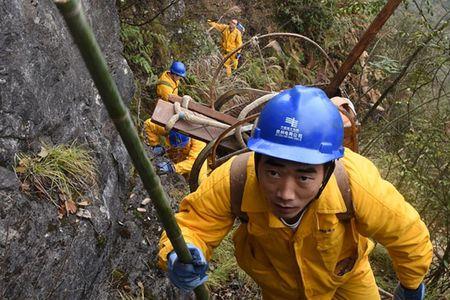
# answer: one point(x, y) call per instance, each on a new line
point(185, 166)
point(153, 132)
point(204, 216)
point(382, 213)
point(217, 26)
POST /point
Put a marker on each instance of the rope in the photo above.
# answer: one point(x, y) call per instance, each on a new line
point(255, 42)
point(182, 113)
point(251, 106)
point(385, 293)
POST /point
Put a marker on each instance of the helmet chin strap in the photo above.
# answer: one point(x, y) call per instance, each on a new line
point(329, 169)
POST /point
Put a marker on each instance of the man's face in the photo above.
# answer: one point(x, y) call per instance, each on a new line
point(232, 24)
point(175, 77)
point(288, 186)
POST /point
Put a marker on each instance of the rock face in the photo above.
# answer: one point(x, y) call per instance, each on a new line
point(47, 95)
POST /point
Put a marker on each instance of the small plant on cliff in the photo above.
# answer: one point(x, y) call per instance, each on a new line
point(60, 174)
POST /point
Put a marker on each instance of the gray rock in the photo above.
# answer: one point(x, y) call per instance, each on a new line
point(8, 180)
point(46, 94)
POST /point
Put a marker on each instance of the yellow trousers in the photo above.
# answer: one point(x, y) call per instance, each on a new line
point(231, 62)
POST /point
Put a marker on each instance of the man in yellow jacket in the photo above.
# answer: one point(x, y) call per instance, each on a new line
point(169, 81)
point(293, 240)
point(231, 39)
point(181, 149)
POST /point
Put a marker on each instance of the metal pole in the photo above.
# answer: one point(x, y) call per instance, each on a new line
point(365, 40)
point(96, 64)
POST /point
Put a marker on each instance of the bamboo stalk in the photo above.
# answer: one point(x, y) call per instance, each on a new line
point(96, 64)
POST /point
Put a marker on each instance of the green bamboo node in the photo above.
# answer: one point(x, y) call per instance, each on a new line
point(90, 51)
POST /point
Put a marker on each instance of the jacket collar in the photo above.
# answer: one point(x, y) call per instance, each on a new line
point(166, 76)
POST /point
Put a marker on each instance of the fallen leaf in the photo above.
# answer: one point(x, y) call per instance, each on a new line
point(43, 153)
point(61, 212)
point(140, 209)
point(25, 187)
point(71, 206)
point(85, 202)
point(84, 213)
point(146, 201)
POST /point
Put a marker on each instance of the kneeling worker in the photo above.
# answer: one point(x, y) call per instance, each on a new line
point(181, 150)
point(299, 237)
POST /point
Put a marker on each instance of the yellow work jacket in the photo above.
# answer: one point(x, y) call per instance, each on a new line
point(230, 39)
point(302, 264)
point(166, 86)
point(183, 158)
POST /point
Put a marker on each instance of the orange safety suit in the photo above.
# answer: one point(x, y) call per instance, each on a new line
point(183, 158)
point(310, 263)
point(230, 41)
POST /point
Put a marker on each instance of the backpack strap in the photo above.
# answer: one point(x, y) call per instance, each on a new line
point(238, 177)
point(344, 188)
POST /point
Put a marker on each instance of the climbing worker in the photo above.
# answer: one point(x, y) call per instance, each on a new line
point(307, 206)
point(231, 39)
point(168, 82)
point(181, 150)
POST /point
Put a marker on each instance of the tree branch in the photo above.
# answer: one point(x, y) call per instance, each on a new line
point(155, 16)
point(403, 71)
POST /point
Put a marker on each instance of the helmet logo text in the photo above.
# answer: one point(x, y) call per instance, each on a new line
point(289, 132)
point(291, 121)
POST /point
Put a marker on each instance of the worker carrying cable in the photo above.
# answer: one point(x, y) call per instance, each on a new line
point(231, 39)
point(307, 206)
point(181, 149)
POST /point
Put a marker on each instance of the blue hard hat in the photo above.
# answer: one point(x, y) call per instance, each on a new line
point(240, 27)
point(300, 124)
point(178, 140)
point(178, 68)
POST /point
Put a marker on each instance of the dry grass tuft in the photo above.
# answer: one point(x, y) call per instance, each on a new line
point(60, 174)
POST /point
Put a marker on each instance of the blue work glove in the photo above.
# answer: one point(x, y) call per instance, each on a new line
point(188, 276)
point(165, 168)
point(401, 293)
point(158, 150)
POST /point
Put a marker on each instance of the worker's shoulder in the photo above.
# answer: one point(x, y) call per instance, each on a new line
point(358, 167)
point(165, 79)
point(218, 180)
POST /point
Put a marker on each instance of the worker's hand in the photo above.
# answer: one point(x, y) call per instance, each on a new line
point(164, 168)
point(401, 293)
point(158, 150)
point(238, 56)
point(188, 276)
